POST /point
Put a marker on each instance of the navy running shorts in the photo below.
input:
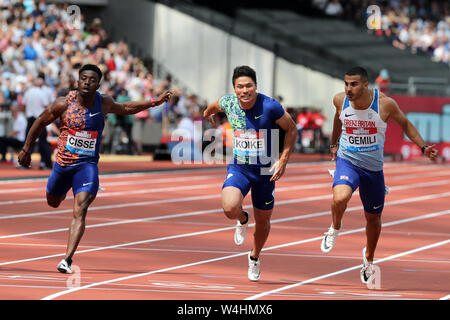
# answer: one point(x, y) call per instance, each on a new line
point(247, 177)
point(82, 177)
point(370, 183)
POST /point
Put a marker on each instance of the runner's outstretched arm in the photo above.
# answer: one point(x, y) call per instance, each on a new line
point(212, 109)
point(409, 129)
point(132, 107)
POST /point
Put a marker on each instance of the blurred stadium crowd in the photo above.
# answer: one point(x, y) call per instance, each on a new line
point(41, 53)
point(422, 26)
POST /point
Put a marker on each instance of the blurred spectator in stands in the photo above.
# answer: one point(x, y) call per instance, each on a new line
point(139, 122)
point(8, 92)
point(442, 52)
point(36, 38)
point(30, 56)
point(121, 127)
point(352, 11)
point(35, 101)
point(417, 25)
point(334, 9)
point(66, 87)
point(392, 36)
point(192, 104)
point(16, 138)
point(319, 4)
point(316, 122)
point(383, 80)
point(126, 122)
point(302, 123)
point(227, 134)
point(2, 100)
point(425, 41)
point(48, 92)
point(170, 108)
point(184, 103)
point(165, 85)
point(404, 36)
point(183, 144)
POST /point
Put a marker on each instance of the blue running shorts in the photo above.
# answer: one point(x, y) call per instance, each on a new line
point(246, 177)
point(370, 183)
point(82, 177)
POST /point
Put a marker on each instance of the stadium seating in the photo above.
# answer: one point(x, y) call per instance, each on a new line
point(327, 45)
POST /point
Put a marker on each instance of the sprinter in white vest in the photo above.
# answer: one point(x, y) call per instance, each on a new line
point(357, 143)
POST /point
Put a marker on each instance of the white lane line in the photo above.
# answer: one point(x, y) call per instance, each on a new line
point(447, 297)
point(52, 212)
point(58, 294)
point(179, 215)
point(194, 249)
point(116, 183)
point(109, 207)
point(390, 166)
point(114, 175)
point(121, 193)
point(319, 174)
point(263, 294)
point(307, 216)
point(154, 190)
point(21, 190)
point(171, 216)
point(143, 203)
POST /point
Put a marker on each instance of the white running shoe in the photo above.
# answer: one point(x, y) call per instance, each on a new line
point(241, 231)
point(254, 270)
point(367, 270)
point(64, 266)
point(329, 239)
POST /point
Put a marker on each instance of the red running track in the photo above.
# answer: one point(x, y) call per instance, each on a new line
point(163, 236)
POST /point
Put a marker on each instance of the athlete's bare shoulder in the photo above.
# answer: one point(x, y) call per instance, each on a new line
point(59, 105)
point(384, 99)
point(107, 103)
point(387, 106)
point(338, 100)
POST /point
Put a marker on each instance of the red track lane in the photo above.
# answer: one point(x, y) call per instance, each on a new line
point(163, 236)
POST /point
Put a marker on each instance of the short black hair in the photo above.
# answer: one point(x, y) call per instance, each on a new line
point(358, 71)
point(91, 67)
point(243, 71)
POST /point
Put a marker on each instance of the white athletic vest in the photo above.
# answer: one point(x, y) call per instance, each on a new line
point(363, 135)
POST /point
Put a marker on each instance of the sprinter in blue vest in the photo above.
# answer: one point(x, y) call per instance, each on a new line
point(360, 125)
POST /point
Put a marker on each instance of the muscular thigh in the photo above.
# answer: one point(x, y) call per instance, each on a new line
point(60, 181)
point(86, 179)
point(346, 174)
point(238, 179)
point(263, 193)
point(372, 191)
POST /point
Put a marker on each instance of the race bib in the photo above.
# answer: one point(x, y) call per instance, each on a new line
point(81, 142)
point(361, 139)
point(248, 143)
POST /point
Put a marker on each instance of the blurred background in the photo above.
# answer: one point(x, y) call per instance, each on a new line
point(299, 49)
